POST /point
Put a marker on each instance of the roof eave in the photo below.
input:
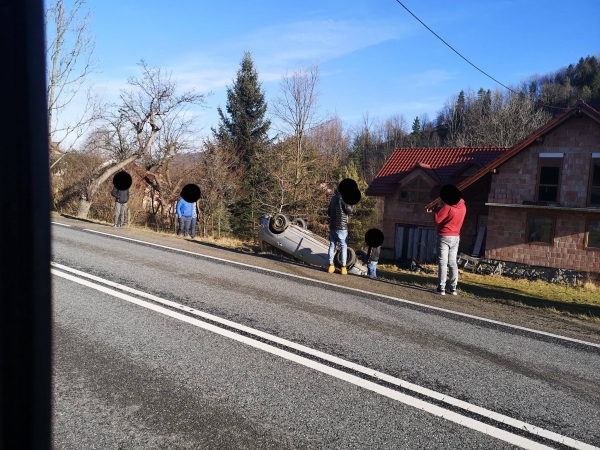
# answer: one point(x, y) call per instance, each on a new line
point(579, 107)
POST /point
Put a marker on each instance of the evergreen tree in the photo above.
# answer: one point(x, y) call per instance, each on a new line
point(416, 133)
point(245, 129)
point(245, 125)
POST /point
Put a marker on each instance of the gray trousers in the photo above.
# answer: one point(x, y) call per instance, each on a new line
point(120, 213)
point(187, 224)
point(447, 253)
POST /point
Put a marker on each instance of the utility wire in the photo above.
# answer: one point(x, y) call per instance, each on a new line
point(456, 51)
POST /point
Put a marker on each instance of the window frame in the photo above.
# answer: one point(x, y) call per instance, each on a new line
point(594, 159)
point(549, 160)
point(532, 214)
point(427, 191)
point(587, 234)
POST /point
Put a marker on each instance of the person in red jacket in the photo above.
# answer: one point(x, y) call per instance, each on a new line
point(448, 217)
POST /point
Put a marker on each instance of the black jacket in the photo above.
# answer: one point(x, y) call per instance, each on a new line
point(120, 196)
point(373, 254)
point(338, 213)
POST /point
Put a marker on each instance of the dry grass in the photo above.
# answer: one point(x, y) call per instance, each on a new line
point(578, 301)
point(223, 242)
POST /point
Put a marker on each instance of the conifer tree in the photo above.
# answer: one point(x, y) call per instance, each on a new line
point(244, 128)
point(245, 125)
point(415, 136)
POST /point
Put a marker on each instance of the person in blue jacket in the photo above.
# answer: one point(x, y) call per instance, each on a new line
point(186, 212)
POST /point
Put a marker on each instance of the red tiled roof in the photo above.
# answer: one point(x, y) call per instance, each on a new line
point(578, 108)
point(441, 163)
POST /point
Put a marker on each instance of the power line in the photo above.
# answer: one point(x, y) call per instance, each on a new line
point(459, 54)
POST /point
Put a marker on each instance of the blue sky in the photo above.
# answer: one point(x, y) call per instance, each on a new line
point(373, 56)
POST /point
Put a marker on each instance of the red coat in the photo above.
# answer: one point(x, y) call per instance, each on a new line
point(449, 219)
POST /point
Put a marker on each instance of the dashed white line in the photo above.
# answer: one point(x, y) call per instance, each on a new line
point(341, 362)
point(357, 381)
point(312, 280)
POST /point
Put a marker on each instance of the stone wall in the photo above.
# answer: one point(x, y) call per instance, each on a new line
point(516, 270)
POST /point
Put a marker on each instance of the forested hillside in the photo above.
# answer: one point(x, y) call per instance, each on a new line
point(484, 118)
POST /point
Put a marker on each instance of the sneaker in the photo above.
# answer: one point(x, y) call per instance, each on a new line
point(453, 291)
point(116, 225)
point(344, 270)
point(439, 291)
point(331, 268)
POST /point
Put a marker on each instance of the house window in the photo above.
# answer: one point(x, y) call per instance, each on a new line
point(417, 191)
point(549, 179)
point(595, 182)
point(593, 235)
point(540, 230)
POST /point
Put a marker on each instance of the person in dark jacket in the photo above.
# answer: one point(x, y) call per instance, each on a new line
point(338, 212)
point(372, 259)
point(121, 199)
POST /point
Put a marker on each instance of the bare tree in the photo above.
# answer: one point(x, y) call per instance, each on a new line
point(70, 59)
point(296, 107)
point(130, 131)
point(176, 137)
point(219, 175)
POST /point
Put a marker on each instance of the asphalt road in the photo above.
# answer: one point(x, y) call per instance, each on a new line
point(127, 374)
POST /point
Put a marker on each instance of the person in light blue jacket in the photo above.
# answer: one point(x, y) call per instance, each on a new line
point(186, 212)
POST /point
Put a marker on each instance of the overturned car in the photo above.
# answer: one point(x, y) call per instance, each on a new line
point(293, 238)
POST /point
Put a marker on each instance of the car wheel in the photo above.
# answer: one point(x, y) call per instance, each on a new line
point(350, 259)
point(278, 223)
point(299, 223)
point(361, 255)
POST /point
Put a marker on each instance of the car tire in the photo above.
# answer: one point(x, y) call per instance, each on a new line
point(350, 258)
point(278, 223)
point(361, 255)
point(299, 223)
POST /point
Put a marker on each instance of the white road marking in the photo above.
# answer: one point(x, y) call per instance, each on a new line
point(419, 404)
point(61, 224)
point(312, 280)
point(324, 356)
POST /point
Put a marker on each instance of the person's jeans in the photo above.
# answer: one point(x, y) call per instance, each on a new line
point(193, 227)
point(372, 269)
point(336, 236)
point(447, 252)
point(184, 225)
point(119, 213)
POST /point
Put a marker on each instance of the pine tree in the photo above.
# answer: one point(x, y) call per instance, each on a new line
point(415, 136)
point(245, 129)
point(245, 125)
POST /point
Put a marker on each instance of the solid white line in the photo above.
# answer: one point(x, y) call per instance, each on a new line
point(390, 393)
point(61, 224)
point(401, 300)
point(342, 362)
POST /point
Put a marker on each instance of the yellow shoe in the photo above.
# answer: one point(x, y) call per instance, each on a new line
point(344, 271)
point(331, 268)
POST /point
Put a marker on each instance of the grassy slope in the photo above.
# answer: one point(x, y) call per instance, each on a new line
point(582, 301)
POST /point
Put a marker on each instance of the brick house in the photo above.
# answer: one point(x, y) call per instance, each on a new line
point(411, 178)
point(543, 200)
